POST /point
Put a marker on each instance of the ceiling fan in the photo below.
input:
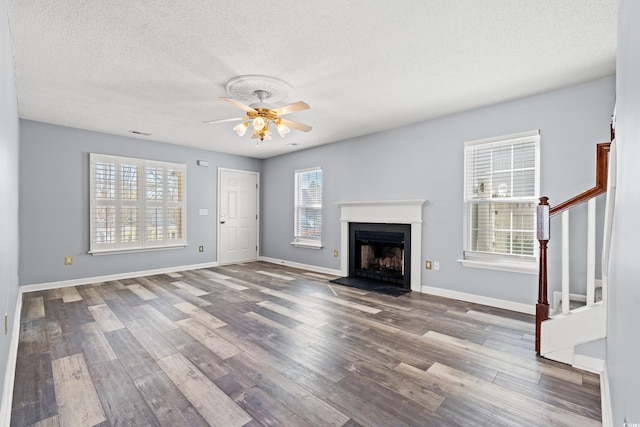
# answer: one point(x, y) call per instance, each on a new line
point(262, 117)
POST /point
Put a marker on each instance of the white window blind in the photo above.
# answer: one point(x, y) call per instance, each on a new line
point(308, 207)
point(501, 195)
point(136, 204)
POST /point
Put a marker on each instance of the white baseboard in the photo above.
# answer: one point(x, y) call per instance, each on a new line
point(588, 363)
point(478, 299)
point(10, 372)
point(119, 276)
point(605, 399)
point(314, 268)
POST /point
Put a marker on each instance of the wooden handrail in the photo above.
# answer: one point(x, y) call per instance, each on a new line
point(602, 161)
point(545, 212)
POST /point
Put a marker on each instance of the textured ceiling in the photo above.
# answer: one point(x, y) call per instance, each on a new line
point(363, 66)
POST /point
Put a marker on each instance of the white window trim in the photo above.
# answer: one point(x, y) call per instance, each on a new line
point(310, 244)
point(297, 241)
point(525, 266)
point(500, 262)
point(141, 246)
point(134, 250)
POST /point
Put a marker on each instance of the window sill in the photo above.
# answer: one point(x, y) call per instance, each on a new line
point(132, 250)
point(510, 266)
point(307, 244)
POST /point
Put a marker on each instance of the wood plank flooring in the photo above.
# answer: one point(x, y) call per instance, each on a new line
point(264, 345)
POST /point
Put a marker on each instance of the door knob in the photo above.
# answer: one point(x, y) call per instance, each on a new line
point(222, 222)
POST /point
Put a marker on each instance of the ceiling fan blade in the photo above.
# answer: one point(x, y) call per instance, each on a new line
point(238, 104)
point(296, 125)
point(291, 108)
point(210, 122)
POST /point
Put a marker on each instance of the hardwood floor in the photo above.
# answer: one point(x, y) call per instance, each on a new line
point(259, 344)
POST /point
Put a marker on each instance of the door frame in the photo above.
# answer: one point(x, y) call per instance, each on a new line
point(218, 196)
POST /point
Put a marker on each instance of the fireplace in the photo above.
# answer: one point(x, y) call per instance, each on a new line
point(406, 212)
point(380, 252)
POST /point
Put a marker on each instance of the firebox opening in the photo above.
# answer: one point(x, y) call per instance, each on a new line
point(380, 252)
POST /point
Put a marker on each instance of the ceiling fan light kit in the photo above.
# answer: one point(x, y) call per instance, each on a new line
point(241, 129)
point(260, 93)
point(283, 129)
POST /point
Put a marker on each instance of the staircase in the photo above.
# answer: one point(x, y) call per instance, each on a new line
point(575, 318)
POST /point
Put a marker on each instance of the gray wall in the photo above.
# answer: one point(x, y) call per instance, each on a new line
point(425, 161)
point(54, 202)
point(623, 343)
point(8, 193)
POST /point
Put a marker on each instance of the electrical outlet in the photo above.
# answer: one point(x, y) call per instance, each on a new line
point(200, 248)
point(436, 265)
point(427, 265)
point(68, 260)
point(336, 253)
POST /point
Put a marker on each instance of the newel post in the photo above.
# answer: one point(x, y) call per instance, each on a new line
point(543, 231)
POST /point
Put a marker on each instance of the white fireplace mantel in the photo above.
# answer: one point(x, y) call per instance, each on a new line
point(385, 212)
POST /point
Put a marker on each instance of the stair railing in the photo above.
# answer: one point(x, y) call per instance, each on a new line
point(543, 222)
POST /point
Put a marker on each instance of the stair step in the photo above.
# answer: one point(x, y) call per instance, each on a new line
point(563, 331)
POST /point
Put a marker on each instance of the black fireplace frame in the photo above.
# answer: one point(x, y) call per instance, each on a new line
point(382, 227)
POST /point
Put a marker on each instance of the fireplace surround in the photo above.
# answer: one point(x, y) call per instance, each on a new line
point(385, 212)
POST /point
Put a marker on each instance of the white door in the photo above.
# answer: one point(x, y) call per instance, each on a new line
point(237, 216)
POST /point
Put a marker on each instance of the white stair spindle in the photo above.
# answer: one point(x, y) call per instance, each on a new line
point(591, 251)
point(565, 262)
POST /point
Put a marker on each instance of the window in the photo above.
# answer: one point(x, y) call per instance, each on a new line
point(501, 195)
point(136, 204)
point(308, 208)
